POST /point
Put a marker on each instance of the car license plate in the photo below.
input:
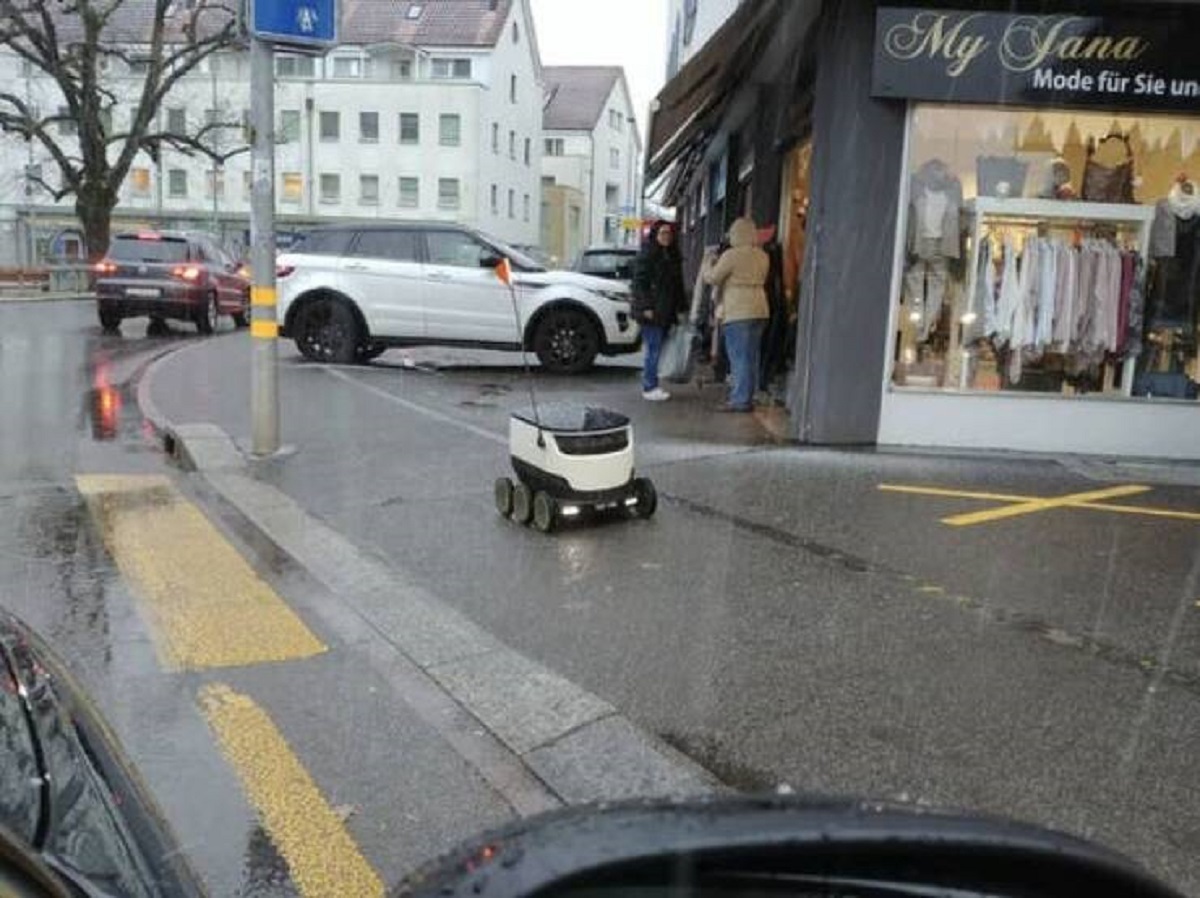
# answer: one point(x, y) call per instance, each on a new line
point(148, 292)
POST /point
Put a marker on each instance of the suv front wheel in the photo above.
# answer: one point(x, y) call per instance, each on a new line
point(566, 341)
point(326, 331)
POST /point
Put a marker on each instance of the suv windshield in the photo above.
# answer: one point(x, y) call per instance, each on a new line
point(149, 249)
point(521, 261)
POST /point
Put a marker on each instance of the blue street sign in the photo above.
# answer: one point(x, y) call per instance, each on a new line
point(305, 24)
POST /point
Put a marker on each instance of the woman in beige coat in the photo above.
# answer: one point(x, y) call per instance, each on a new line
point(741, 273)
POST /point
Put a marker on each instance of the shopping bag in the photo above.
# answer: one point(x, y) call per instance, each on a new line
point(676, 361)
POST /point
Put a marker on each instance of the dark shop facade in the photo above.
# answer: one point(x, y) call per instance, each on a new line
point(987, 215)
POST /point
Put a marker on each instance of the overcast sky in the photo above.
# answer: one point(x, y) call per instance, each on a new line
point(628, 33)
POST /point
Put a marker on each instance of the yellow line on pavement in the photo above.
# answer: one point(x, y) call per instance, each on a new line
point(1142, 510)
point(953, 494)
point(1033, 506)
point(321, 855)
point(206, 606)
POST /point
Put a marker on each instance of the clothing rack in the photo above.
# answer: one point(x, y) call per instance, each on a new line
point(1056, 213)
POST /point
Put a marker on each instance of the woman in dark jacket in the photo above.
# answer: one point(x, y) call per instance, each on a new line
point(658, 298)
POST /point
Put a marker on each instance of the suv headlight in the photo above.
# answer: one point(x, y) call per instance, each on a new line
point(614, 296)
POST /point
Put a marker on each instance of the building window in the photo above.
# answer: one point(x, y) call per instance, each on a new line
point(295, 66)
point(414, 10)
point(495, 200)
point(402, 69)
point(331, 125)
point(512, 144)
point(368, 190)
point(614, 120)
point(247, 186)
point(528, 149)
point(410, 128)
point(689, 21)
point(368, 127)
point(516, 33)
point(289, 126)
point(450, 129)
point(450, 69)
point(614, 158)
point(549, 180)
point(981, 198)
point(293, 187)
point(448, 193)
point(555, 146)
point(139, 181)
point(139, 67)
point(177, 185)
point(331, 188)
point(526, 216)
point(496, 137)
point(512, 88)
point(214, 183)
point(67, 124)
point(410, 192)
point(512, 203)
point(347, 67)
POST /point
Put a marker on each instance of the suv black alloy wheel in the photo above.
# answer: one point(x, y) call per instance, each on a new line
point(566, 341)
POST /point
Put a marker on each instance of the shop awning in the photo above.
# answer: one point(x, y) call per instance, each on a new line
point(692, 101)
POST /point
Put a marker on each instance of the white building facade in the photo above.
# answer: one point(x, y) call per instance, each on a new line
point(430, 115)
point(689, 26)
point(592, 144)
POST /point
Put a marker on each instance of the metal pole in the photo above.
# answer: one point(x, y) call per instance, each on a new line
point(264, 329)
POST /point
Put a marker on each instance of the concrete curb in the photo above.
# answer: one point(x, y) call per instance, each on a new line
point(562, 737)
point(48, 297)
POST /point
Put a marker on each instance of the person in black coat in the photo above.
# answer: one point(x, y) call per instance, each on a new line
point(659, 298)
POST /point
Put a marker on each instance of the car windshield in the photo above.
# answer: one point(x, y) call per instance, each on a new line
point(833, 428)
point(521, 259)
point(149, 249)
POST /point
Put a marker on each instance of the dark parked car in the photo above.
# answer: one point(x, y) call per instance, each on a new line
point(74, 817)
point(612, 262)
point(165, 274)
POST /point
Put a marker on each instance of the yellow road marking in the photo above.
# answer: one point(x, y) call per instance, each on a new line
point(262, 296)
point(1023, 505)
point(321, 854)
point(1036, 505)
point(954, 494)
point(264, 330)
point(206, 606)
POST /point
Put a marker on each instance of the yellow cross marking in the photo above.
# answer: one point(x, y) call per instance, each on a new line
point(1017, 506)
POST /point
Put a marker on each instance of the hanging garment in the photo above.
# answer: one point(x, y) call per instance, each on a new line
point(980, 320)
point(1137, 308)
point(1064, 299)
point(1029, 281)
point(1084, 303)
point(1009, 295)
point(1112, 300)
point(925, 289)
point(1127, 267)
point(1047, 294)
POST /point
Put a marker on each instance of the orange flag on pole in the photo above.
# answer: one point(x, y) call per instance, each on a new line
point(504, 272)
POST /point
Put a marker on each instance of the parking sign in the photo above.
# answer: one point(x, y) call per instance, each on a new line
point(298, 24)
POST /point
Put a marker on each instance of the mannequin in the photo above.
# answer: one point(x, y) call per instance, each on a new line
point(934, 238)
point(1175, 246)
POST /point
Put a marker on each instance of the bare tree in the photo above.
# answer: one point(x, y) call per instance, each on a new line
point(70, 41)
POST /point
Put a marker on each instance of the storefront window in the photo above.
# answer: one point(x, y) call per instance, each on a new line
point(1050, 251)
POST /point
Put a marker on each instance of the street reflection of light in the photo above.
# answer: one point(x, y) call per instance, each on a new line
point(106, 403)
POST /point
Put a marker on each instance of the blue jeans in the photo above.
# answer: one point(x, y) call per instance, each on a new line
point(652, 340)
point(743, 343)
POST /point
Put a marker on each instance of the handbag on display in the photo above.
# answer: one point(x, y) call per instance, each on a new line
point(1002, 176)
point(1108, 184)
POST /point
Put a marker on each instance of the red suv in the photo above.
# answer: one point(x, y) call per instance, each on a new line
point(165, 274)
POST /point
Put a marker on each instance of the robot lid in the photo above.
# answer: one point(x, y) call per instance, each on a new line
point(565, 417)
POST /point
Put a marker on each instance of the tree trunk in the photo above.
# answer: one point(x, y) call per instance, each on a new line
point(94, 208)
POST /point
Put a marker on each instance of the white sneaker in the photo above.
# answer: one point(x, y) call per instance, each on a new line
point(658, 394)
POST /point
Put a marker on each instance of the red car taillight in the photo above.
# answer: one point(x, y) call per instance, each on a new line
point(189, 273)
point(282, 271)
point(105, 267)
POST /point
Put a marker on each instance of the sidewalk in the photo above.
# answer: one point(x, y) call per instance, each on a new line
point(9, 295)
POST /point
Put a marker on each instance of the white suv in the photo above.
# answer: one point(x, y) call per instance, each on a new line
point(349, 292)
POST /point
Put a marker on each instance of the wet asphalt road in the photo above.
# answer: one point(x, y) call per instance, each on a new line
point(783, 620)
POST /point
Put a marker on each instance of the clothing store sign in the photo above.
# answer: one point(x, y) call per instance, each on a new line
point(1117, 62)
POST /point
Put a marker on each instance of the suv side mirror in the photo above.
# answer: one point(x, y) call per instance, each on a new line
point(490, 260)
